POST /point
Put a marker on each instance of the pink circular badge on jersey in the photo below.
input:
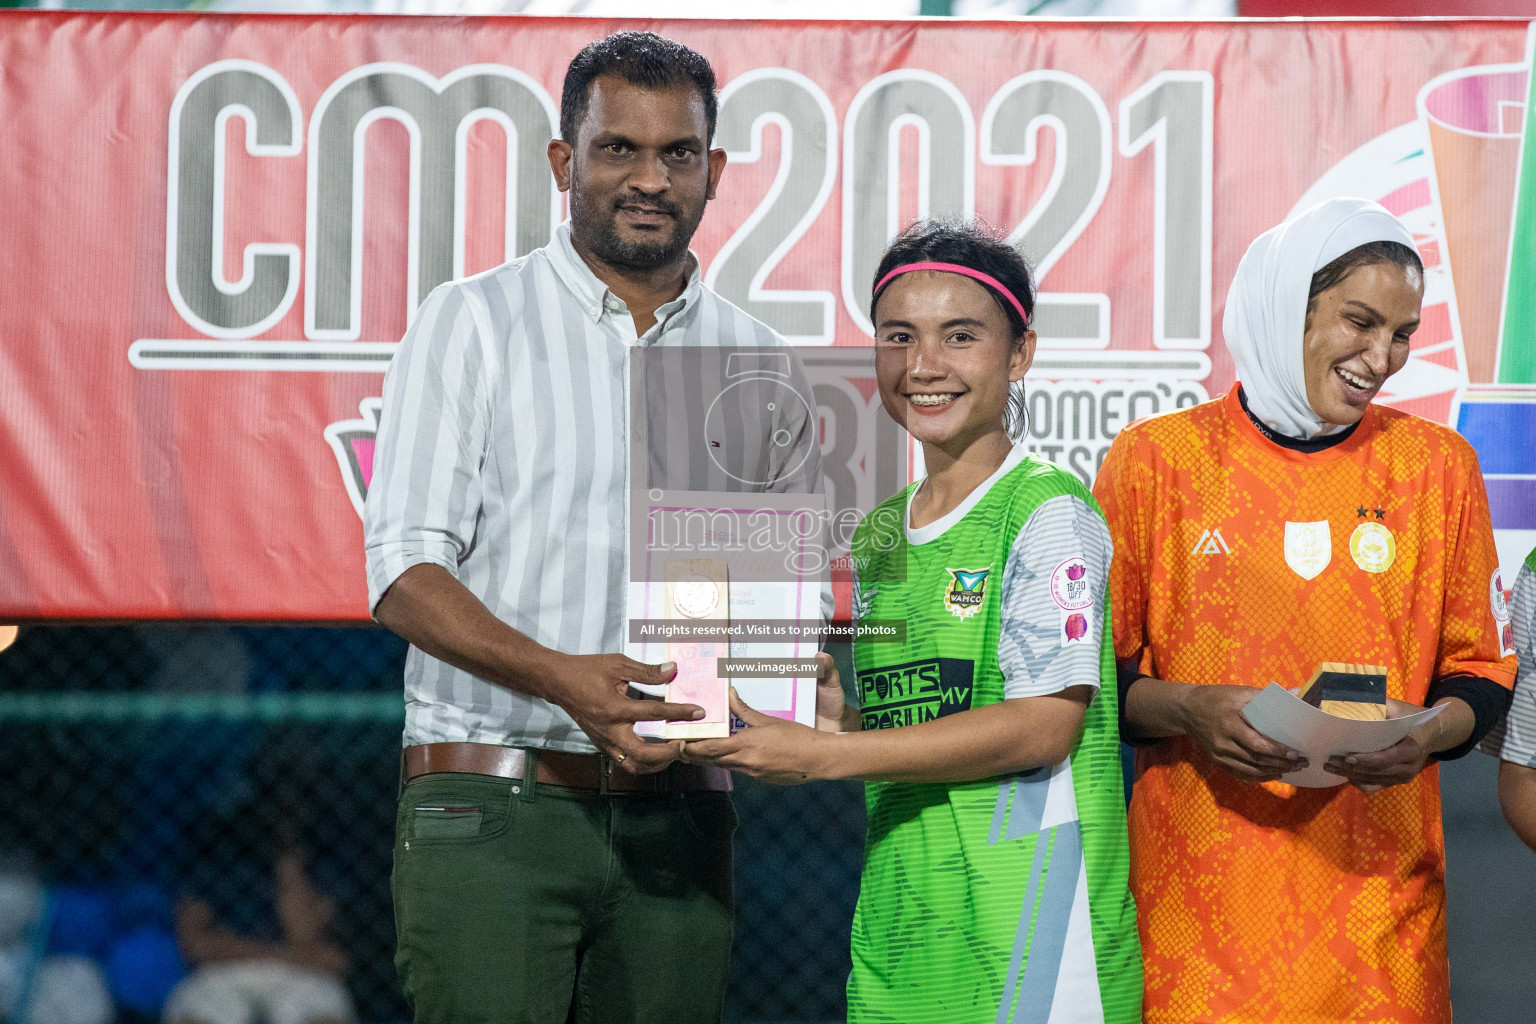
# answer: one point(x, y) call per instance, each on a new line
point(1069, 585)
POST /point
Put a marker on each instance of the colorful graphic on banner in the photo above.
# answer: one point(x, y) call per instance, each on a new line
point(229, 220)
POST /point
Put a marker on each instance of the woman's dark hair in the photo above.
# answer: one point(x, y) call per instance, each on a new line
point(1371, 253)
point(643, 59)
point(971, 244)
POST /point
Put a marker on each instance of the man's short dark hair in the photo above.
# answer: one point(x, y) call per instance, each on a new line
point(644, 59)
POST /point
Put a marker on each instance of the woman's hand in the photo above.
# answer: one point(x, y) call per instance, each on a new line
point(1370, 773)
point(829, 697)
point(1213, 715)
point(772, 749)
point(1397, 764)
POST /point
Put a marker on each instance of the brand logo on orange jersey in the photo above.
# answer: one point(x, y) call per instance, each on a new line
point(1211, 542)
point(1308, 548)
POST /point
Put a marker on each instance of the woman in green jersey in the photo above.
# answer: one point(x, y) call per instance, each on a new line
point(994, 885)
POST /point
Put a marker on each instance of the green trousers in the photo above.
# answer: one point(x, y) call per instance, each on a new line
point(537, 904)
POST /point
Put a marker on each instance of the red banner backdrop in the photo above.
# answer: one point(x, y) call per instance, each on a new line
point(218, 226)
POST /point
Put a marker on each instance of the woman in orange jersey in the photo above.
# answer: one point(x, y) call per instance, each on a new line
point(1292, 522)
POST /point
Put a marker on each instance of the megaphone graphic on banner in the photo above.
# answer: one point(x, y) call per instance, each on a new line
point(1481, 136)
point(352, 443)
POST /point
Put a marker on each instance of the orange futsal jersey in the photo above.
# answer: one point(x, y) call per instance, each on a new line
point(1239, 561)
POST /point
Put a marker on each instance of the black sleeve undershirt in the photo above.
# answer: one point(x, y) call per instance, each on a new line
point(1125, 676)
point(1487, 699)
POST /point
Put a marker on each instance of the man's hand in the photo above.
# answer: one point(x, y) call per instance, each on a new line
point(772, 749)
point(829, 697)
point(1213, 715)
point(593, 689)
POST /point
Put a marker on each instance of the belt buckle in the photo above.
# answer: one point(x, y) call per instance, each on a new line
point(657, 783)
point(604, 774)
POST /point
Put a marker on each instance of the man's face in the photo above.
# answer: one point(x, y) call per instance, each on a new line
point(639, 173)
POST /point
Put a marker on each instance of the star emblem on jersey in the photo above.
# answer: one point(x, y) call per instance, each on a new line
point(1308, 548)
point(1381, 513)
point(1361, 513)
point(966, 591)
point(1211, 542)
point(1373, 547)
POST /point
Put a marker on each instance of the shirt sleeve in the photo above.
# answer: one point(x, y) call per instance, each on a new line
point(1121, 491)
point(424, 498)
point(1053, 600)
point(1520, 727)
point(1474, 634)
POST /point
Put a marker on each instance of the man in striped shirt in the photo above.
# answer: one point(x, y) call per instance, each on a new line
point(1517, 751)
point(549, 864)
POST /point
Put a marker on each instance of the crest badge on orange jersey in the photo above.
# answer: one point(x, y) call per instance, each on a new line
point(1373, 547)
point(1308, 548)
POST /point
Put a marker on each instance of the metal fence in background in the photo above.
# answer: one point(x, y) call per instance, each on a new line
point(151, 767)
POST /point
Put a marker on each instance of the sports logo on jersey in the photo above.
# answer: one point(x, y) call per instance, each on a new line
point(919, 691)
point(966, 590)
point(1211, 542)
point(1373, 547)
point(1069, 585)
point(1308, 548)
point(1500, 606)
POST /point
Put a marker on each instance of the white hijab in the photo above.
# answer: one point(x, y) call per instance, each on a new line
point(1267, 306)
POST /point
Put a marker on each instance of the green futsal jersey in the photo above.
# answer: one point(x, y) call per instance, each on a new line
point(1004, 899)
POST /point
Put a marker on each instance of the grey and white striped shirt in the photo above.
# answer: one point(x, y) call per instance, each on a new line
point(1519, 728)
point(503, 456)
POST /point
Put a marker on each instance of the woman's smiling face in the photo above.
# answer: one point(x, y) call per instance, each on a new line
point(944, 357)
point(1357, 336)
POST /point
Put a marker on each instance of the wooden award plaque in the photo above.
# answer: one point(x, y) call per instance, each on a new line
point(1348, 691)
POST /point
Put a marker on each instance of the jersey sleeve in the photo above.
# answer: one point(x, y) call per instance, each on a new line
point(1053, 600)
point(1122, 491)
point(1475, 634)
point(1520, 728)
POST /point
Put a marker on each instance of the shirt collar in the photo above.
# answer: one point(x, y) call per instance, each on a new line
point(595, 297)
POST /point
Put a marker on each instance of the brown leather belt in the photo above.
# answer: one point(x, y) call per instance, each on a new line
point(558, 768)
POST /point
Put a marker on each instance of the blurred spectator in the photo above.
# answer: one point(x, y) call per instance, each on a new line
point(69, 989)
point(294, 977)
point(21, 902)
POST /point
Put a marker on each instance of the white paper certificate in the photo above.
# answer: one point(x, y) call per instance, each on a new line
point(1286, 718)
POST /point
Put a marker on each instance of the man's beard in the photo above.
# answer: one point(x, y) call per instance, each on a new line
point(595, 229)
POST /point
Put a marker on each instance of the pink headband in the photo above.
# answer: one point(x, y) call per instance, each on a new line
point(955, 268)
